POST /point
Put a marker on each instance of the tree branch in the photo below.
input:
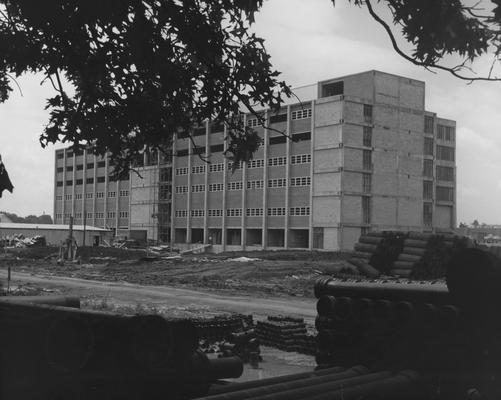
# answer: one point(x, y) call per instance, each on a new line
point(451, 70)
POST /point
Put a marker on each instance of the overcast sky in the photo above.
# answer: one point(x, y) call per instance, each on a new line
point(308, 41)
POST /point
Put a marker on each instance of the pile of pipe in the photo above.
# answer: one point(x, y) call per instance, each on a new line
point(51, 349)
point(375, 253)
point(327, 384)
point(285, 333)
point(450, 333)
point(220, 327)
point(416, 255)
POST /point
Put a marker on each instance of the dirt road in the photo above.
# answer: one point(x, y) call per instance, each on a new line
point(165, 296)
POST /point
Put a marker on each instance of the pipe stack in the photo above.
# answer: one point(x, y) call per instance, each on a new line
point(388, 325)
point(332, 383)
point(54, 351)
point(286, 333)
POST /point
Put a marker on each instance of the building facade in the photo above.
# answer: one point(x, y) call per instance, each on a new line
point(358, 153)
point(85, 189)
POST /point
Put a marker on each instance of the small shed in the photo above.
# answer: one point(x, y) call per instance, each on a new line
point(56, 233)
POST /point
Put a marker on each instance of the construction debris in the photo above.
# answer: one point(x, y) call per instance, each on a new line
point(20, 241)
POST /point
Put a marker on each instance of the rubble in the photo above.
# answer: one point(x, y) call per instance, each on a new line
point(20, 241)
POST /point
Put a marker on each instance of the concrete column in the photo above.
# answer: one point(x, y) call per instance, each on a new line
point(264, 233)
point(55, 187)
point(243, 220)
point(116, 204)
point(84, 188)
point(173, 191)
point(94, 195)
point(106, 188)
point(73, 203)
point(312, 152)
point(341, 193)
point(188, 197)
point(129, 217)
point(225, 180)
point(63, 208)
point(206, 182)
point(287, 177)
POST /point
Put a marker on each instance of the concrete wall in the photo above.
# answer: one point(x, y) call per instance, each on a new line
point(144, 202)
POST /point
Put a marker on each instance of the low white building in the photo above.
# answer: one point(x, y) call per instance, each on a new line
point(56, 233)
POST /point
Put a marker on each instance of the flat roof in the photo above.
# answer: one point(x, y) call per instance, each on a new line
point(53, 227)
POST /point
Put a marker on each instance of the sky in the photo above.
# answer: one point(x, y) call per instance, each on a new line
point(308, 41)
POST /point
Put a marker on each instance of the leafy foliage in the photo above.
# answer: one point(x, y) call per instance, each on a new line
point(130, 74)
point(141, 71)
point(437, 28)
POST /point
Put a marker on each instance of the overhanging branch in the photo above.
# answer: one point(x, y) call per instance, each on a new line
point(451, 70)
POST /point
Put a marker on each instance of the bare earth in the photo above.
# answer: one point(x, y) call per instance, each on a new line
point(194, 286)
point(200, 285)
point(165, 297)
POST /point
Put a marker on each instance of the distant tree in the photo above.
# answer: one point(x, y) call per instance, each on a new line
point(463, 225)
point(130, 74)
point(45, 219)
point(30, 219)
point(475, 224)
point(42, 219)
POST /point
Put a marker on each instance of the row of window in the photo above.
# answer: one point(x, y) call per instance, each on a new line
point(443, 173)
point(216, 167)
point(197, 188)
point(238, 185)
point(277, 161)
point(447, 133)
point(301, 114)
point(259, 184)
point(301, 159)
point(216, 187)
point(234, 185)
point(80, 167)
point(442, 193)
point(249, 212)
point(298, 114)
point(98, 215)
point(296, 137)
point(88, 181)
point(259, 163)
point(444, 132)
point(99, 195)
point(198, 169)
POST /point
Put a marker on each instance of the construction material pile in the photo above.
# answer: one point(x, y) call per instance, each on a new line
point(449, 333)
point(58, 351)
point(414, 255)
point(244, 345)
point(285, 333)
point(19, 240)
point(221, 327)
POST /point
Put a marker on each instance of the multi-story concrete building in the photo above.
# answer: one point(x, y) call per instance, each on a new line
point(137, 206)
point(357, 153)
point(85, 189)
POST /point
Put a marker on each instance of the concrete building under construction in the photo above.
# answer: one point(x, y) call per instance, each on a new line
point(358, 153)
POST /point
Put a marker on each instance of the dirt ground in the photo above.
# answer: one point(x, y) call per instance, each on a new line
point(124, 281)
point(269, 274)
